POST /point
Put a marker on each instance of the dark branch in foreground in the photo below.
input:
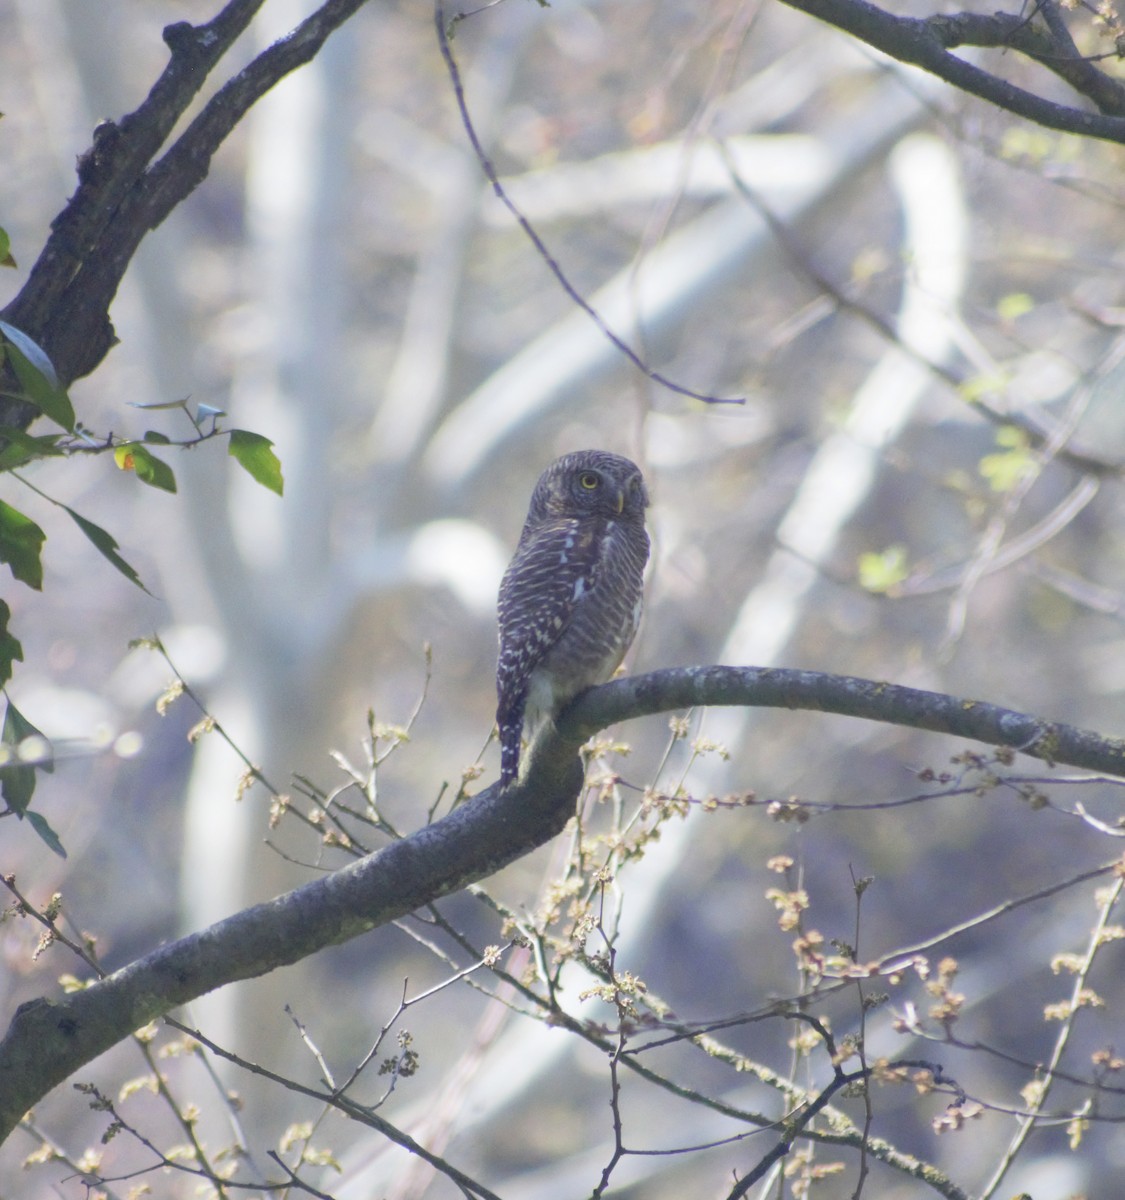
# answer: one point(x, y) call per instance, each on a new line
point(126, 188)
point(49, 1039)
point(928, 43)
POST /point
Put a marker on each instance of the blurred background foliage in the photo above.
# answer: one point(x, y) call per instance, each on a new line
point(740, 191)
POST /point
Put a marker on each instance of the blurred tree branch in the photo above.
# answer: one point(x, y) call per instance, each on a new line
point(50, 1039)
point(125, 190)
point(1041, 36)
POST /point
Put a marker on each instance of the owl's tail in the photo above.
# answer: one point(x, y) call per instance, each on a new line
point(509, 720)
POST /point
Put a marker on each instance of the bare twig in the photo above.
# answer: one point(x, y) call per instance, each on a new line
point(1074, 1006)
point(860, 886)
point(357, 1113)
point(545, 254)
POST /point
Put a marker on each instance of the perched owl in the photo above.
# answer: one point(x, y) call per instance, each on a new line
point(570, 600)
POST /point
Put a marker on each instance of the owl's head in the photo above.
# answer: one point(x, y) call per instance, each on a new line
point(590, 483)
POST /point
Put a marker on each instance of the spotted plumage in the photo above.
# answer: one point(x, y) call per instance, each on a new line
point(570, 600)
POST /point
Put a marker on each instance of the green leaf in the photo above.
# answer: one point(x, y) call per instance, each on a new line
point(6, 259)
point(1007, 469)
point(157, 439)
point(21, 540)
point(106, 545)
point(254, 453)
point(23, 448)
point(38, 822)
point(17, 786)
point(37, 376)
point(17, 782)
point(10, 648)
point(977, 387)
point(1014, 305)
point(879, 571)
point(135, 457)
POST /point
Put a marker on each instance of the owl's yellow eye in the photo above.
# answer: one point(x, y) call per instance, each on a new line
point(589, 480)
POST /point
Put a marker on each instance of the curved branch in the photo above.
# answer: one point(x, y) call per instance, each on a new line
point(764, 687)
point(926, 43)
point(49, 1039)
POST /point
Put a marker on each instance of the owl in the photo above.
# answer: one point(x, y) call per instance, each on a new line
point(570, 599)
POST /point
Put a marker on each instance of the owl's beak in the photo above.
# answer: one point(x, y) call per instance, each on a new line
point(620, 501)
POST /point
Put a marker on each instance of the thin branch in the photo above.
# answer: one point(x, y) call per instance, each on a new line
point(59, 1155)
point(859, 886)
point(296, 1181)
point(799, 1122)
point(989, 545)
point(1093, 596)
point(898, 959)
point(1038, 429)
point(1007, 553)
point(548, 258)
point(1075, 1005)
point(355, 1112)
point(1054, 48)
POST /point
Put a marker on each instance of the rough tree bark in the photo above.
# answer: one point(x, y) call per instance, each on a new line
point(49, 1039)
point(126, 187)
point(1040, 35)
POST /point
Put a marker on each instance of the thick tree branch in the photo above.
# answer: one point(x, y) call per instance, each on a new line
point(1049, 43)
point(50, 1039)
point(927, 43)
point(763, 687)
point(124, 191)
point(120, 154)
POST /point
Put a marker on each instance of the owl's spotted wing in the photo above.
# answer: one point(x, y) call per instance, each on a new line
point(555, 565)
point(551, 572)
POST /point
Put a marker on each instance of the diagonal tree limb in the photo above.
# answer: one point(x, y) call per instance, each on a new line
point(1067, 61)
point(49, 1039)
point(1049, 43)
